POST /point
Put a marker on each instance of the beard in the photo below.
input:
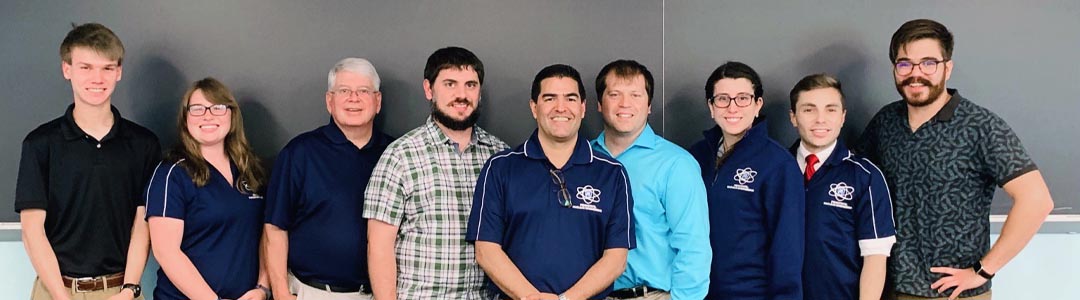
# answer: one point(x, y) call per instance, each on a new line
point(451, 123)
point(932, 95)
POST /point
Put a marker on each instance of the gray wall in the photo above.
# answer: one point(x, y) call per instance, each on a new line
point(1018, 59)
point(275, 55)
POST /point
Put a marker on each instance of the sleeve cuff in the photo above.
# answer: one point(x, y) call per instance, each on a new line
point(382, 216)
point(20, 206)
point(881, 246)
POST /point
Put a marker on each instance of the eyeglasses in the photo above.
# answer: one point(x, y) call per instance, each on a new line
point(928, 67)
point(564, 195)
point(216, 109)
point(362, 92)
point(725, 100)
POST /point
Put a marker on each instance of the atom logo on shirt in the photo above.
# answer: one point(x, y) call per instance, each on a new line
point(248, 190)
point(588, 194)
point(744, 176)
point(840, 192)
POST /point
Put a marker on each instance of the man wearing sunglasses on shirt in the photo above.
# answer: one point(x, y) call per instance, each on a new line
point(551, 218)
point(943, 155)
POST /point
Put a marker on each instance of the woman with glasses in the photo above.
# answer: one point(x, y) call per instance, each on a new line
point(755, 192)
point(204, 214)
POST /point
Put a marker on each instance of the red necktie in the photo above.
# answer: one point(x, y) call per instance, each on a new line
point(810, 161)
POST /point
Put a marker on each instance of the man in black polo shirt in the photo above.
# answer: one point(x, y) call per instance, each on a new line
point(80, 177)
point(943, 155)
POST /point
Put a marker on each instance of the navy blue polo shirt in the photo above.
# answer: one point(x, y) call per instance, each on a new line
point(316, 193)
point(847, 202)
point(517, 205)
point(222, 228)
point(757, 214)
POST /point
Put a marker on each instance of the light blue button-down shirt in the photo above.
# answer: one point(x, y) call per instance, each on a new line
point(671, 217)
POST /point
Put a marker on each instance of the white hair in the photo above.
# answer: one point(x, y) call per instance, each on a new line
point(359, 66)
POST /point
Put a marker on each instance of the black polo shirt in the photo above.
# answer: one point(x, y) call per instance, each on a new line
point(88, 188)
point(942, 177)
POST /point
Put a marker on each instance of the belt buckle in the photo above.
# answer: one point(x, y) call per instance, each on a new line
point(75, 284)
point(640, 291)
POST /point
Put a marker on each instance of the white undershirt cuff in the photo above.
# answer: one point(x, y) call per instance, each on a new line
point(880, 246)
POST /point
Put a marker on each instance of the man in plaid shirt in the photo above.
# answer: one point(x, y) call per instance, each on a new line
point(419, 196)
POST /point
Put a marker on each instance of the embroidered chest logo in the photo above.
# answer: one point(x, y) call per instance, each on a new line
point(742, 177)
point(248, 189)
point(840, 192)
point(588, 196)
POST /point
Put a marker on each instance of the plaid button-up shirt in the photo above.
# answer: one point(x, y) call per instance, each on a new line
point(424, 185)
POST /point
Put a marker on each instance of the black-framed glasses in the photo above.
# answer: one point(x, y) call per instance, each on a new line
point(725, 100)
point(216, 109)
point(564, 195)
point(928, 67)
point(361, 92)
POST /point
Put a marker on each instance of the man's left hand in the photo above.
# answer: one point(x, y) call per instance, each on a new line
point(962, 279)
point(253, 294)
point(541, 296)
point(124, 294)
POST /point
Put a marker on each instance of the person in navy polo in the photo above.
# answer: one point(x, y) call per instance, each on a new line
point(755, 192)
point(551, 219)
point(204, 213)
point(316, 233)
point(849, 221)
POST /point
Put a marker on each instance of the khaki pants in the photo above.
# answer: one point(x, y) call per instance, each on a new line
point(899, 296)
point(306, 292)
point(654, 295)
point(41, 293)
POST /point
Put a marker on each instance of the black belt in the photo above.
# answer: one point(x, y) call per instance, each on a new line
point(634, 292)
point(363, 288)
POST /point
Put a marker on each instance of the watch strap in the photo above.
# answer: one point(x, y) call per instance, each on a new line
point(135, 288)
point(982, 272)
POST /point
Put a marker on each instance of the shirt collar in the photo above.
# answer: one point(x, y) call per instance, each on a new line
point(336, 136)
point(647, 139)
point(479, 135)
point(831, 155)
point(948, 111)
point(72, 131)
point(759, 131)
point(583, 153)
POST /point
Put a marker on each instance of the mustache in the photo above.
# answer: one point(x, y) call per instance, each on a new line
point(460, 101)
point(911, 80)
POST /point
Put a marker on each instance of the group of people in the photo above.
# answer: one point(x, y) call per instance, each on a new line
point(449, 211)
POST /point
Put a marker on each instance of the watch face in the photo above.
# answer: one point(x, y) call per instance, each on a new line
point(135, 288)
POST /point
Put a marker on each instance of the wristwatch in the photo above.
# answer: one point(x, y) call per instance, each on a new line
point(265, 290)
point(563, 297)
point(135, 288)
point(982, 272)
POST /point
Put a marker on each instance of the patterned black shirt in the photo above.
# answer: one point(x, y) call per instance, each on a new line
point(942, 177)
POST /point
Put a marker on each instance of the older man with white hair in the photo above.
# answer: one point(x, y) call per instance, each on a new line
point(316, 234)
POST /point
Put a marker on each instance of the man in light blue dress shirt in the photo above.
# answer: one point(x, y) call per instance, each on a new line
point(670, 208)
